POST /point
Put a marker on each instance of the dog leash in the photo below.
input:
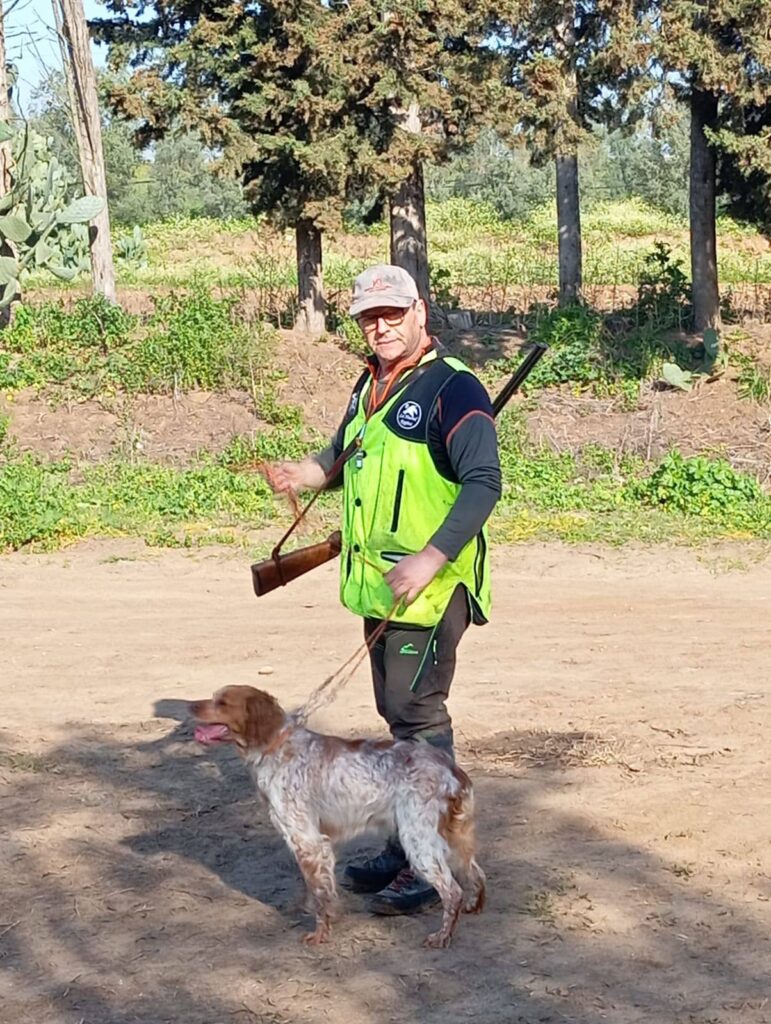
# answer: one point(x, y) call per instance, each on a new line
point(332, 685)
point(328, 690)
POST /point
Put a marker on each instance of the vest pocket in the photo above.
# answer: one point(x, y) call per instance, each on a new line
point(397, 501)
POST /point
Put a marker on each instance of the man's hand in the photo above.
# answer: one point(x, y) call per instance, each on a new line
point(413, 573)
point(291, 477)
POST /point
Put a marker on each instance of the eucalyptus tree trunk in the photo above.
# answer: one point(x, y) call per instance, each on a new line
point(706, 294)
point(5, 154)
point(409, 248)
point(408, 230)
point(569, 231)
point(570, 255)
point(84, 102)
point(310, 279)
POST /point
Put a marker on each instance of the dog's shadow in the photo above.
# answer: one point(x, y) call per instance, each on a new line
point(216, 818)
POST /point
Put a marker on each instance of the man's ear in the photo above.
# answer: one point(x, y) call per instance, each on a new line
point(421, 312)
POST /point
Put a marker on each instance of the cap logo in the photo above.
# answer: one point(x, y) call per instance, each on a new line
point(378, 285)
point(409, 415)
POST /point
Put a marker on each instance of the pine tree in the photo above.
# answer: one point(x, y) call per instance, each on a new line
point(313, 102)
point(744, 175)
point(717, 56)
point(567, 57)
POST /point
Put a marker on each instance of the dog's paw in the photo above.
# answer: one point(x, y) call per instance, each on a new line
point(317, 938)
point(437, 940)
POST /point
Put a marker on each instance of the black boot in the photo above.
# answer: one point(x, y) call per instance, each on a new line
point(440, 740)
point(407, 894)
point(374, 874)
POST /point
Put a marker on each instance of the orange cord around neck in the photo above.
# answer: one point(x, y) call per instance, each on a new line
point(374, 401)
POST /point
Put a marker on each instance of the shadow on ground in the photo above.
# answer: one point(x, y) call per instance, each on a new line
point(144, 885)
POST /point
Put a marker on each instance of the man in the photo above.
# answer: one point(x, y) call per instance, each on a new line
point(417, 492)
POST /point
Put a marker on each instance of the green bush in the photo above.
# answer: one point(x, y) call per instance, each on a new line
point(710, 488)
point(574, 336)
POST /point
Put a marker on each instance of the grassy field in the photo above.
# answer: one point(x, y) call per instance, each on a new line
point(212, 333)
point(471, 248)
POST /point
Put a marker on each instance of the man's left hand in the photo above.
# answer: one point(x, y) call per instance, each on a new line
point(413, 573)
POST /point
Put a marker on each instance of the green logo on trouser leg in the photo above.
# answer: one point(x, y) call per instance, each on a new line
point(408, 649)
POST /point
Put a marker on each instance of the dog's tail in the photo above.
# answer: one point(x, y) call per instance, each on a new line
point(457, 827)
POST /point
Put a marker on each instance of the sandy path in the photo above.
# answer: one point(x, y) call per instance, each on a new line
point(615, 716)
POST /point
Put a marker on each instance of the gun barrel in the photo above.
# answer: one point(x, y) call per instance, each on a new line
point(520, 376)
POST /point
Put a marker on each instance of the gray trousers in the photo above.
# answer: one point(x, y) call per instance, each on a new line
point(412, 669)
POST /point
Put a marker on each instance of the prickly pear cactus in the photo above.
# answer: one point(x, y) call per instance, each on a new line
point(39, 225)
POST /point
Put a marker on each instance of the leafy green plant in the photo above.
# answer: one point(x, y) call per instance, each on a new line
point(753, 380)
point(441, 287)
point(36, 218)
point(710, 488)
point(574, 336)
point(347, 330)
point(663, 292)
point(131, 249)
point(676, 377)
point(190, 340)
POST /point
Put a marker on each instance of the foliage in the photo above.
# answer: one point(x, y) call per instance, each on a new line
point(181, 182)
point(307, 100)
point(39, 503)
point(36, 213)
point(190, 340)
point(705, 487)
point(574, 336)
point(663, 294)
point(592, 494)
point(648, 162)
point(753, 380)
point(131, 249)
point(493, 174)
point(175, 178)
point(723, 49)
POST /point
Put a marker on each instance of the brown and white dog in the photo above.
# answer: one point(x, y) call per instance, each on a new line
point(322, 790)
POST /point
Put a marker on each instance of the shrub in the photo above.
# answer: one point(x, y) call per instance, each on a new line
point(574, 335)
point(711, 488)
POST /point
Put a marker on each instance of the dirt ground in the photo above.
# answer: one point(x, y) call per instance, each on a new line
point(615, 717)
point(712, 419)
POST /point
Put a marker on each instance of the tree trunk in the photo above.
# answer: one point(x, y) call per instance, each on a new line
point(81, 84)
point(6, 159)
point(409, 248)
point(310, 279)
point(5, 112)
point(706, 295)
point(569, 230)
point(570, 256)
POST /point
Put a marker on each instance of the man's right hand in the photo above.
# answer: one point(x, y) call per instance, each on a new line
point(291, 477)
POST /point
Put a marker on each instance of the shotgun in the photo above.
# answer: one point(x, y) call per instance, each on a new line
point(278, 570)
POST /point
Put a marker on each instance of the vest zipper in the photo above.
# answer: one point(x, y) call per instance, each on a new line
point(397, 501)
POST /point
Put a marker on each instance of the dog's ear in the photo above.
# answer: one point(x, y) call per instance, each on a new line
point(263, 718)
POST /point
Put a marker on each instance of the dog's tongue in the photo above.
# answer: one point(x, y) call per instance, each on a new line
point(210, 733)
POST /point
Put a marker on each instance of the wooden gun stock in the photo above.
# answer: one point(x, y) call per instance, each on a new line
point(277, 572)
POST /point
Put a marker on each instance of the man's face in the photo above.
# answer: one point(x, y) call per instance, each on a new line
point(394, 334)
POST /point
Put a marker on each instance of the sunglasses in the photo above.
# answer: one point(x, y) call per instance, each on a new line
point(390, 317)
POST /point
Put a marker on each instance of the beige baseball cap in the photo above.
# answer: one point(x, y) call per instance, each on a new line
point(383, 285)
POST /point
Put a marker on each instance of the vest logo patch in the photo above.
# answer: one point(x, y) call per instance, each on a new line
point(353, 404)
point(409, 415)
